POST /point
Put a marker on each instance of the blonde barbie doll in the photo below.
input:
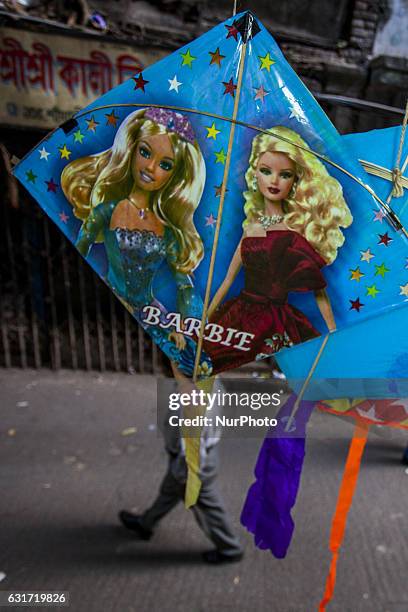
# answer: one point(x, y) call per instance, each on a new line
point(294, 214)
point(139, 198)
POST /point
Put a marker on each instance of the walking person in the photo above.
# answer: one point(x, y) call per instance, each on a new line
point(209, 510)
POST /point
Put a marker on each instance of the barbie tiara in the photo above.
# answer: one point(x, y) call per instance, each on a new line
point(173, 122)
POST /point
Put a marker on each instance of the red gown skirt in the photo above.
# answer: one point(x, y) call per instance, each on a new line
point(274, 265)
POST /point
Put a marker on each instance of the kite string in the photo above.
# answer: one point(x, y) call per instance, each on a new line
point(234, 10)
point(392, 218)
point(397, 189)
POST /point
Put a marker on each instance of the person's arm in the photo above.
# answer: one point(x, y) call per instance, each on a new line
point(323, 303)
point(90, 229)
point(185, 384)
point(234, 268)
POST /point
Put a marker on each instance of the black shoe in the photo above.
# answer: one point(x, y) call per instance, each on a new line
point(216, 557)
point(133, 522)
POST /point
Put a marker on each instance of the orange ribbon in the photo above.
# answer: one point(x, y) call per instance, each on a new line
point(344, 500)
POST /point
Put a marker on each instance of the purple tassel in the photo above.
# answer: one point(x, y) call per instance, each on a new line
point(271, 497)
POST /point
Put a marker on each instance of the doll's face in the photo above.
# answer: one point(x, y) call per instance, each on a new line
point(275, 174)
point(153, 162)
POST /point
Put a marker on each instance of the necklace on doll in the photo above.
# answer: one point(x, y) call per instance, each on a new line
point(142, 210)
point(268, 220)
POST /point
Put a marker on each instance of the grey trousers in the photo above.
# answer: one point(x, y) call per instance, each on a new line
point(209, 512)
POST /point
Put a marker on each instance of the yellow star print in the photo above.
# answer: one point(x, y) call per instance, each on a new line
point(212, 131)
point(220, 157)
point(372, 291)
point(188, 59)
point(356, 275)
point(64, 152)
point(266, 62)
point(404, 290)
point(91, 124)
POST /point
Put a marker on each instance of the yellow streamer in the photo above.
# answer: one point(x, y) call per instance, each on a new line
point(192, 441)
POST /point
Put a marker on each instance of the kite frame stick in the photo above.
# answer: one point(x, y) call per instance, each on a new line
point(219, 215)
point(306, 383)
point(382, 172)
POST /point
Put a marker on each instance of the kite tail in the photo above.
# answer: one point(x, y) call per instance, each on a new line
point(267, 508)
point(193, 484)
point(192, 441)
point(344, 500)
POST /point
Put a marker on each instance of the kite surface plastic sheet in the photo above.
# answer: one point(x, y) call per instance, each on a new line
point(135, 181)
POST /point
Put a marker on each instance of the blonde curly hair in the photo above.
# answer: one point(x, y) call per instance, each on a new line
point(107, 177)
point(315, 208)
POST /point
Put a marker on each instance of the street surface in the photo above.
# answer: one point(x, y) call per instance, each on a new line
point(77, 447)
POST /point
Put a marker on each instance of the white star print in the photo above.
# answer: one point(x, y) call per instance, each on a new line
point(370, 414)
point(44, 153)
point(174, 84)
point(297, 113)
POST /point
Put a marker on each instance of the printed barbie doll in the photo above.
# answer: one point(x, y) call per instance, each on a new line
point(294, 214)
point(139, 198)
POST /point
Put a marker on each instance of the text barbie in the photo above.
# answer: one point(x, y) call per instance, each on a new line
point(190, 326)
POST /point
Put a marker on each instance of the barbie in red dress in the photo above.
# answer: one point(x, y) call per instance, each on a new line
point(294, 211)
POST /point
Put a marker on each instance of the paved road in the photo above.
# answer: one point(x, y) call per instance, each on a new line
point(67, 467)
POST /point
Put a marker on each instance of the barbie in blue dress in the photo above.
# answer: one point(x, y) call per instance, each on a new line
point(139, 198)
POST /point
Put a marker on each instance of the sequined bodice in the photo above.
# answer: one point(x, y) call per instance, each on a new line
point(141, 253)
point(132, 258)
point(141, 245)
